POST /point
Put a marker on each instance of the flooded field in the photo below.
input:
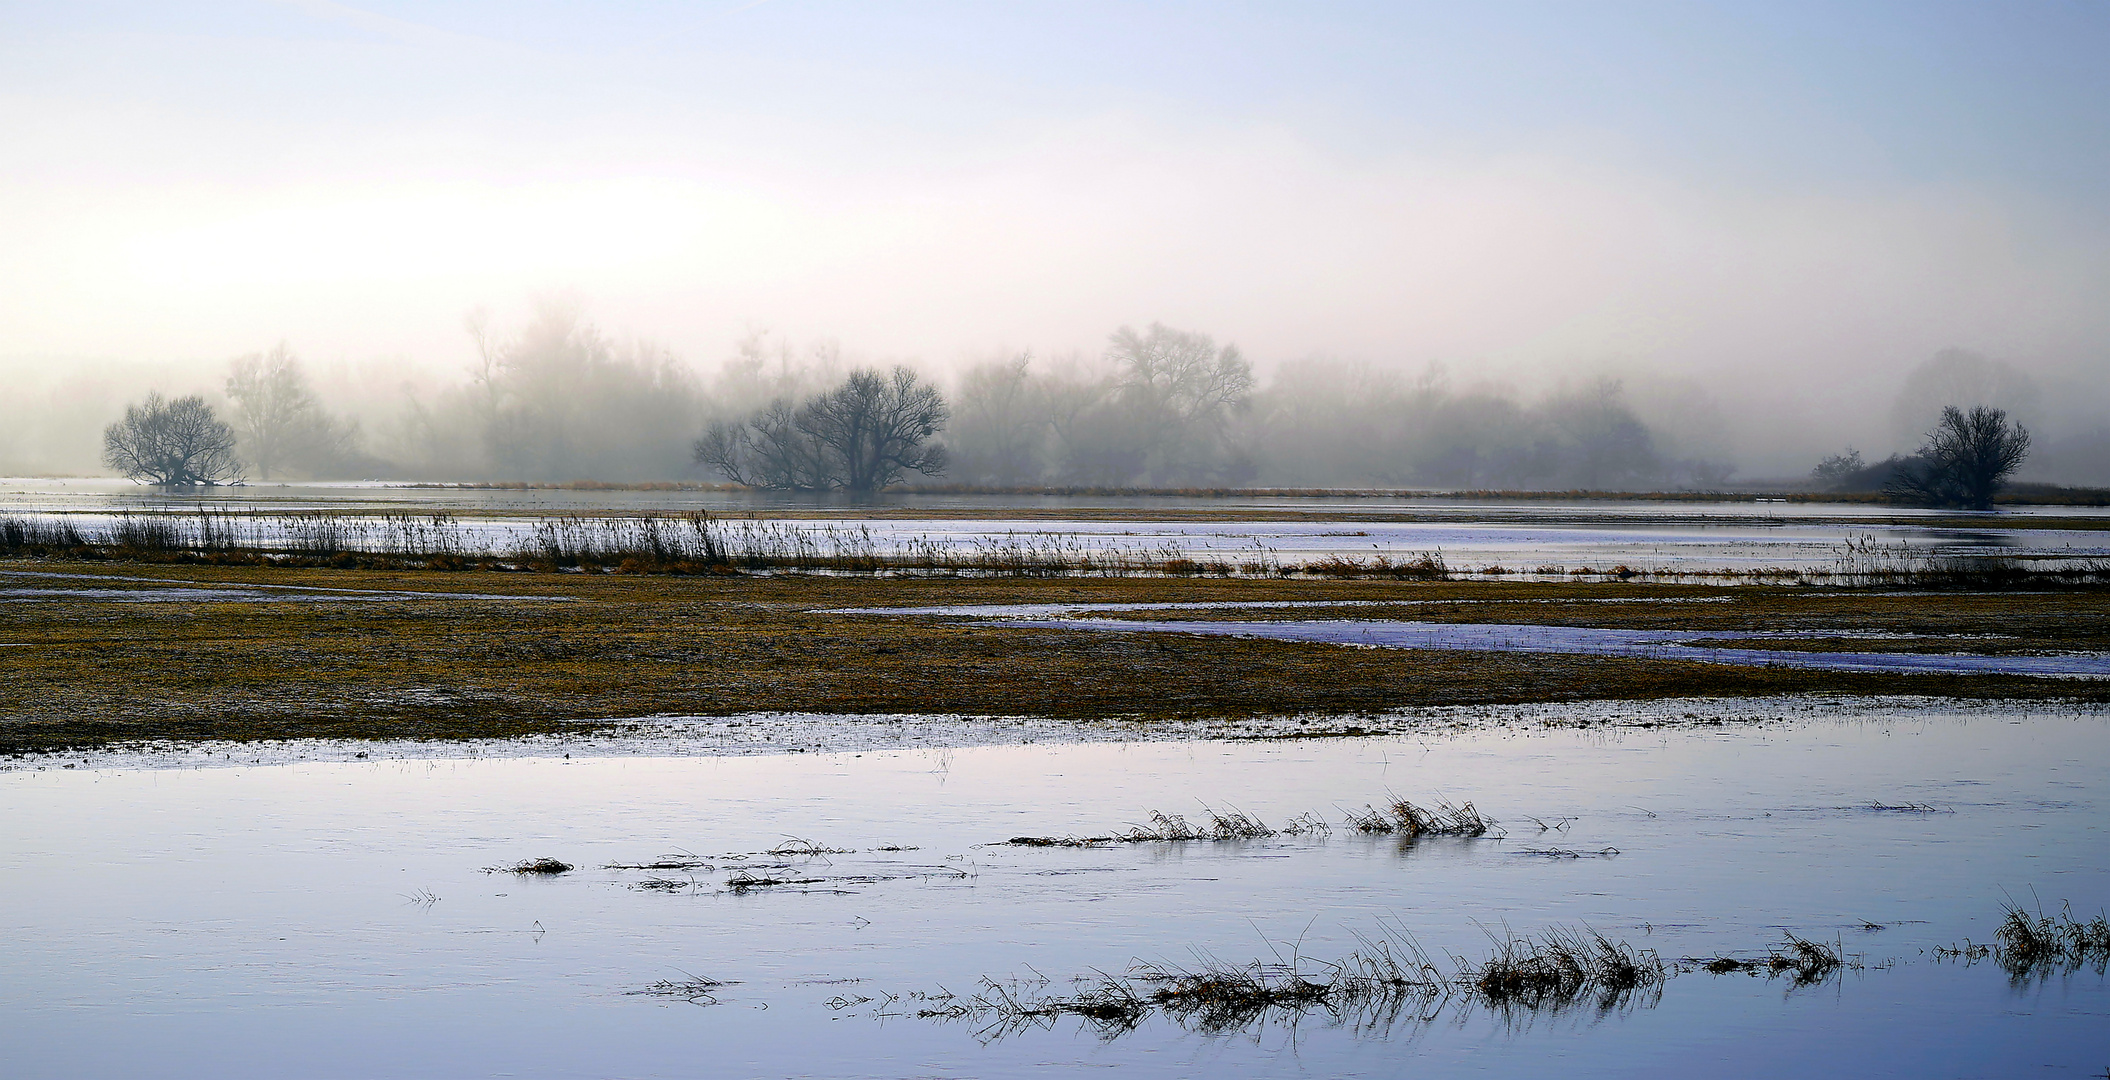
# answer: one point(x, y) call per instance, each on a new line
point(1066, 814)
point(1522, 536)
point(861, 913)
point(1659, 644)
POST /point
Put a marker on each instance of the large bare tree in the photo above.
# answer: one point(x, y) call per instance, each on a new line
point(1966, 458)
point(862, 435)
point(176, 443)
point(877, 428)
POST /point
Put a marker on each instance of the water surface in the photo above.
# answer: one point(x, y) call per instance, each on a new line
point(1518, 536)
point(330, 919)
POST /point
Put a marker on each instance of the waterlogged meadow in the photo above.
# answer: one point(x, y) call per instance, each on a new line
point(573, 783)
point(1748, 891)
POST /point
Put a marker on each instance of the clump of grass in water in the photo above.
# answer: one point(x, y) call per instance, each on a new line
point(1562, 967)
point(1227, 824)
point(1879, 807)
point(1807, 962)
point(1802, 960)
point(1569, 853)
point(1385, 980)
point(1212, 997)
point(1403, 817)
point(1215, 998)
point(676, 861)
point(1163, 828)
point(801, 846)
point(544, 865)
point(743, 880)
point(663, 884)
point(694, 989)
point(2038, 944)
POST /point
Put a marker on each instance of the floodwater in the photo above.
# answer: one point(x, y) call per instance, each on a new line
point(1595, 641)
point(1517, 536)
point(1654, 644)
point(330, 918)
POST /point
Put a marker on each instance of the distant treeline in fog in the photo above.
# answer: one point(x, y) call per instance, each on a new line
point(556, 399)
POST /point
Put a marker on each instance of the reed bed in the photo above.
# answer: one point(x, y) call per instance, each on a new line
point(1866, 561)
point(697, 542)
point(687, 543)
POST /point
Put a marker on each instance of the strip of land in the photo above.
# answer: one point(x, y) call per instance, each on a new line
point(473, 654)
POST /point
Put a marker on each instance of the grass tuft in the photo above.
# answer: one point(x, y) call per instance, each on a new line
point(1403, 817)
point(801, 846)
point(1562, 967)
point(694, 989)
point(1804, 961)
point(544, 865)
point(743, 880)
point(2037, 945)
point(1385, 980)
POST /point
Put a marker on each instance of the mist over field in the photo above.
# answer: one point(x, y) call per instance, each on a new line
point(1516, 247)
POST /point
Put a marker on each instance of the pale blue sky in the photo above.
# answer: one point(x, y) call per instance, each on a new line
point(2011, 95)
point(1716, 188)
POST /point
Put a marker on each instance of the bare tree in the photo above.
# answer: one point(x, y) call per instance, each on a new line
point(767, 450)
point(1001, 423)
point(1181, 391)
point(878, 428)
point(278, 420)
point(1966, 458)
point(864, 434)
point(176, 443)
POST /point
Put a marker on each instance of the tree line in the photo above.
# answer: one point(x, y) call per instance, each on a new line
point(1157, 408)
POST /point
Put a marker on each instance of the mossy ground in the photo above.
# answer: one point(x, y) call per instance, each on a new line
point(587, 647)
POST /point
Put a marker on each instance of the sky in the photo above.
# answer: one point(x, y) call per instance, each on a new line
point(1801, 200)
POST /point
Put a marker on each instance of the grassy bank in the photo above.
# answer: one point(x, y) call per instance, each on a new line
point(498, 654)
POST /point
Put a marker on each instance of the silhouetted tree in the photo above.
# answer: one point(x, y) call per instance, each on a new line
point(1179, 391)
point(767, 450)
point(861, 436)
point(1959, 377)
point(277, 419)
point(1001, 423)
point(176, 443)
point(1604, 444)
point(1966, 458)
point(1836, 470)
point(878, 428)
